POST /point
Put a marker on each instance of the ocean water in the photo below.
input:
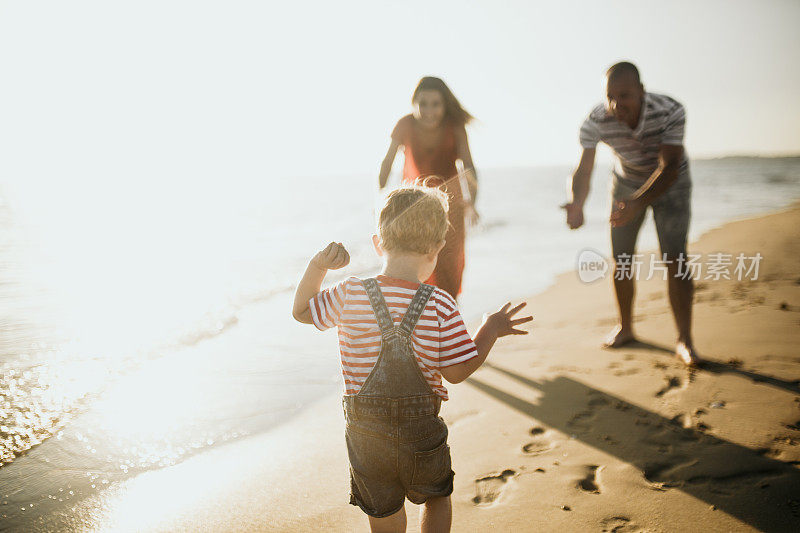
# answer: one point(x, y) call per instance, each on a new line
point(154, 324)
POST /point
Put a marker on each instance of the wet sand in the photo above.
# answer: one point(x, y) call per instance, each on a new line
point(555, 433)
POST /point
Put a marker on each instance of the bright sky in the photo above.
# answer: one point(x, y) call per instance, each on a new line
point(135, 136)
point(171, 90)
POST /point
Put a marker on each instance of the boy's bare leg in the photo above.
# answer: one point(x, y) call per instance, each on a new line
point(395, 523)
point(681, 292)
point(622, 332)
point(436, 515)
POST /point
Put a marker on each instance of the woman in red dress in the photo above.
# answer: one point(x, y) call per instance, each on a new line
point(433, 138)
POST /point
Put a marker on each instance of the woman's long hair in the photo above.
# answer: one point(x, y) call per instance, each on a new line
point(453, 109)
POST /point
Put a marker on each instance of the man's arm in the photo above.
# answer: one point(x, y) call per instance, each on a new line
point(669, 163)
point(386, 165)
point(579, 188)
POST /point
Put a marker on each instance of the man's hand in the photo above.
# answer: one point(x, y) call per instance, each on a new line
point(333, 257)
point(625, 211)
point(502, 322)
point(574, 215)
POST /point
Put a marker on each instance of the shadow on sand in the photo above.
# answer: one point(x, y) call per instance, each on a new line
point(715, 367)
point(749, 485)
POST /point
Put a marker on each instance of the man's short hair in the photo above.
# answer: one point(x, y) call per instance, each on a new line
point(413, 219)
point(622, 69)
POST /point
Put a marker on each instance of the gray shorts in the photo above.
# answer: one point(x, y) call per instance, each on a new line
point(671, 212)
point(394, 458)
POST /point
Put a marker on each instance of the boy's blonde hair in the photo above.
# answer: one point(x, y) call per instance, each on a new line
point(413, 219)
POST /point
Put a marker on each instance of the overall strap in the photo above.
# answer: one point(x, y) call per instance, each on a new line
point(396, 373)
point(382, 315)
point(415, 309)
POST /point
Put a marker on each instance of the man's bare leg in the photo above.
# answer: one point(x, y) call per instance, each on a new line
point(395, 523)
point(622, 332)
point(436, 515)
point(681, 293)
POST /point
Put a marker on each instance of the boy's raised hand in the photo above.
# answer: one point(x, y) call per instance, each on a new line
point(333, 257)
point(503, 322)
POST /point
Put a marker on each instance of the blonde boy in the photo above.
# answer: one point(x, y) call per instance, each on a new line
point(398, 337)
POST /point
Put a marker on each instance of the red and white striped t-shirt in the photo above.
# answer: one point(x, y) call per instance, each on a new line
point(439, 340)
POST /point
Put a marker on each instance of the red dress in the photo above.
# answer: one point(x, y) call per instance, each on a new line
point(440, 161)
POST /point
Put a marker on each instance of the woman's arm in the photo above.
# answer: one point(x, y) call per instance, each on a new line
point(462, 150)
point(386, 166)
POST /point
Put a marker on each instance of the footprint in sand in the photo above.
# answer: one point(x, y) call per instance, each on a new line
point(702, 426)
point(597, 402)
point(539, 445)
point(772, 453)
point(536, 447)
point(666, 475)
point(622, 406)
point(786, 439)
point(692, 421)
point(611, 440)
point(618, 524)
point(589, 482)
point(673, 382)
point(578, 421)
point(489, 488)
point(729, 484)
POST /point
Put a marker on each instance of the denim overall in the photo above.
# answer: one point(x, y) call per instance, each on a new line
point(396, 442)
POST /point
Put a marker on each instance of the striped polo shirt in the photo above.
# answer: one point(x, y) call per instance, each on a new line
point(439, 340)
point(662, 121)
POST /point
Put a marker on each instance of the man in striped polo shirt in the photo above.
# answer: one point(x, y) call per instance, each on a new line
point(645, 131)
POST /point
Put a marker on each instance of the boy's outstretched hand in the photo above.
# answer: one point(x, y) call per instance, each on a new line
point(333, 257)
point(503, 323)
point(494, 326)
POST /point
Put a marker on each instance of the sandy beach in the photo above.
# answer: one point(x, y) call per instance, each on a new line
point(171, 171)
point(555, 433)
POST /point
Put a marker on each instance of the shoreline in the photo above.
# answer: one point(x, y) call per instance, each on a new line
point(552, 422)
point(506, 234)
